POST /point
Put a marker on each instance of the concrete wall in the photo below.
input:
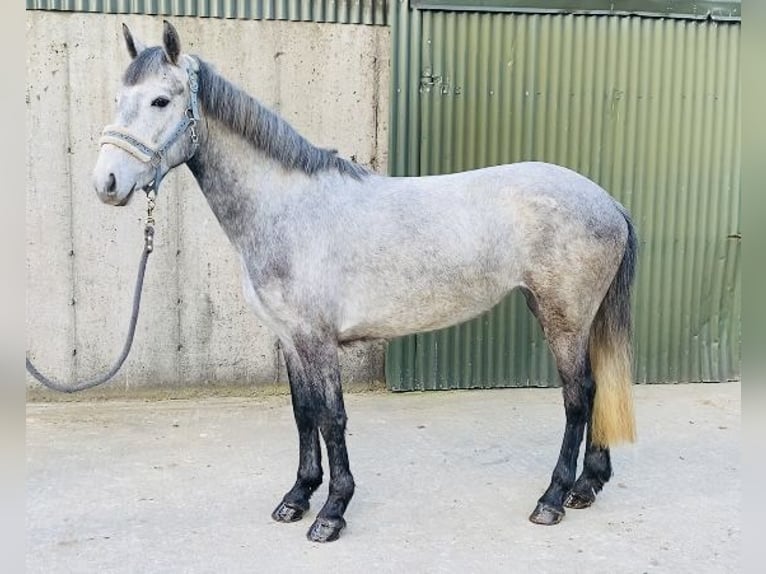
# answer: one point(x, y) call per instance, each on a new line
point(330, 81)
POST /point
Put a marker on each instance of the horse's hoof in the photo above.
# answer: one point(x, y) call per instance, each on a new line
point(325, 529)
point(288, 512)
point(578, 499)
point(546, 515)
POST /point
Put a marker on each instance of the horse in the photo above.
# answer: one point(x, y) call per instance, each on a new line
point(332, 253)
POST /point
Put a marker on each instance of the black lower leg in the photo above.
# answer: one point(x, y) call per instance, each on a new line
point(597, 466)
point(550, 507)
point(330, 521)
point(318, 405)
point(296, 502)
point(596, 473)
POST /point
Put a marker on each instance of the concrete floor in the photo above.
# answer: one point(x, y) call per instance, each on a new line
point(445, 482)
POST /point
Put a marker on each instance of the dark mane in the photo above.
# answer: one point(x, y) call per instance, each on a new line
point(246, 116)
point(265, 129)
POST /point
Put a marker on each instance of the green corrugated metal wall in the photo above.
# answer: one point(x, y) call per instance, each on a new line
point(647, 107)
point(340, 11)
point(698, 9)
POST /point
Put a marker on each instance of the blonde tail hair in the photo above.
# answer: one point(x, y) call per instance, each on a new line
point(613, 420)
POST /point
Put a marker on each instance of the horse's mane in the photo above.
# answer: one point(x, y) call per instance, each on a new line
point(264, 129)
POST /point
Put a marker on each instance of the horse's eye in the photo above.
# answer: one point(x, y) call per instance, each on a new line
point(160, 102)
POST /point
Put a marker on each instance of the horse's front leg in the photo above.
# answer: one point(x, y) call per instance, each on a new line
point(304, 398)
point(318, 404)
point(332, 423)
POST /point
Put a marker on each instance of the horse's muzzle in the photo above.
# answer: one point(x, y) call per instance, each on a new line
point(109, 189)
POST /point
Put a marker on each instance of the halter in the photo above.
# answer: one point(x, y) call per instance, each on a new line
point(144, 152)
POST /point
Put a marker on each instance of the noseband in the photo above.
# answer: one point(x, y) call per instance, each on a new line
point(144, 152)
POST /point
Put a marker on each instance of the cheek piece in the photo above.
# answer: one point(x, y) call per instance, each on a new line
point(146, 153)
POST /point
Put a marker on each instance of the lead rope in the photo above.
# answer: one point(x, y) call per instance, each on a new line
point(148, 248)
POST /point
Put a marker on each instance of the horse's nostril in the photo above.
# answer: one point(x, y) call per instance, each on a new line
point(111, 185)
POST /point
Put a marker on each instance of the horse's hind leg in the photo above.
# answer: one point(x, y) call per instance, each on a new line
point(566, 326)
point(597, 466)
point(318, 404)
point(550, 506)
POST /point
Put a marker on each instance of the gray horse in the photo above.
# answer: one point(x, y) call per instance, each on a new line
point(332, 253)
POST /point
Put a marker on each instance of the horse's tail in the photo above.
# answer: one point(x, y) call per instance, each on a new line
point(611, 355)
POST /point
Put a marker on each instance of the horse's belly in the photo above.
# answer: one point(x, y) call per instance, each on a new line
point(390, 315)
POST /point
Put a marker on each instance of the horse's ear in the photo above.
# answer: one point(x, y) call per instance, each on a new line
point(171, 42)
point(135, 47)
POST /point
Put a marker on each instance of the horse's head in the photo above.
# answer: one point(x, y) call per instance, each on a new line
point(154, 130)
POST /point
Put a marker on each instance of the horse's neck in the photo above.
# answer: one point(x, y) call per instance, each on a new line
point(238, 181)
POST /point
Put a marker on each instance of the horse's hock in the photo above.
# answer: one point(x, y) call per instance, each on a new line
point(195, 327)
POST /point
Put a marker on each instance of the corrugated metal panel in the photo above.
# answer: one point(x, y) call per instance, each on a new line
point(696, 9)
point(648, 108)
point(340, 11)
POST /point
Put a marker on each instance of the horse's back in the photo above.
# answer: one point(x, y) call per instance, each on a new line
point(423, 253)
point(515, 184)
point(525, 209)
